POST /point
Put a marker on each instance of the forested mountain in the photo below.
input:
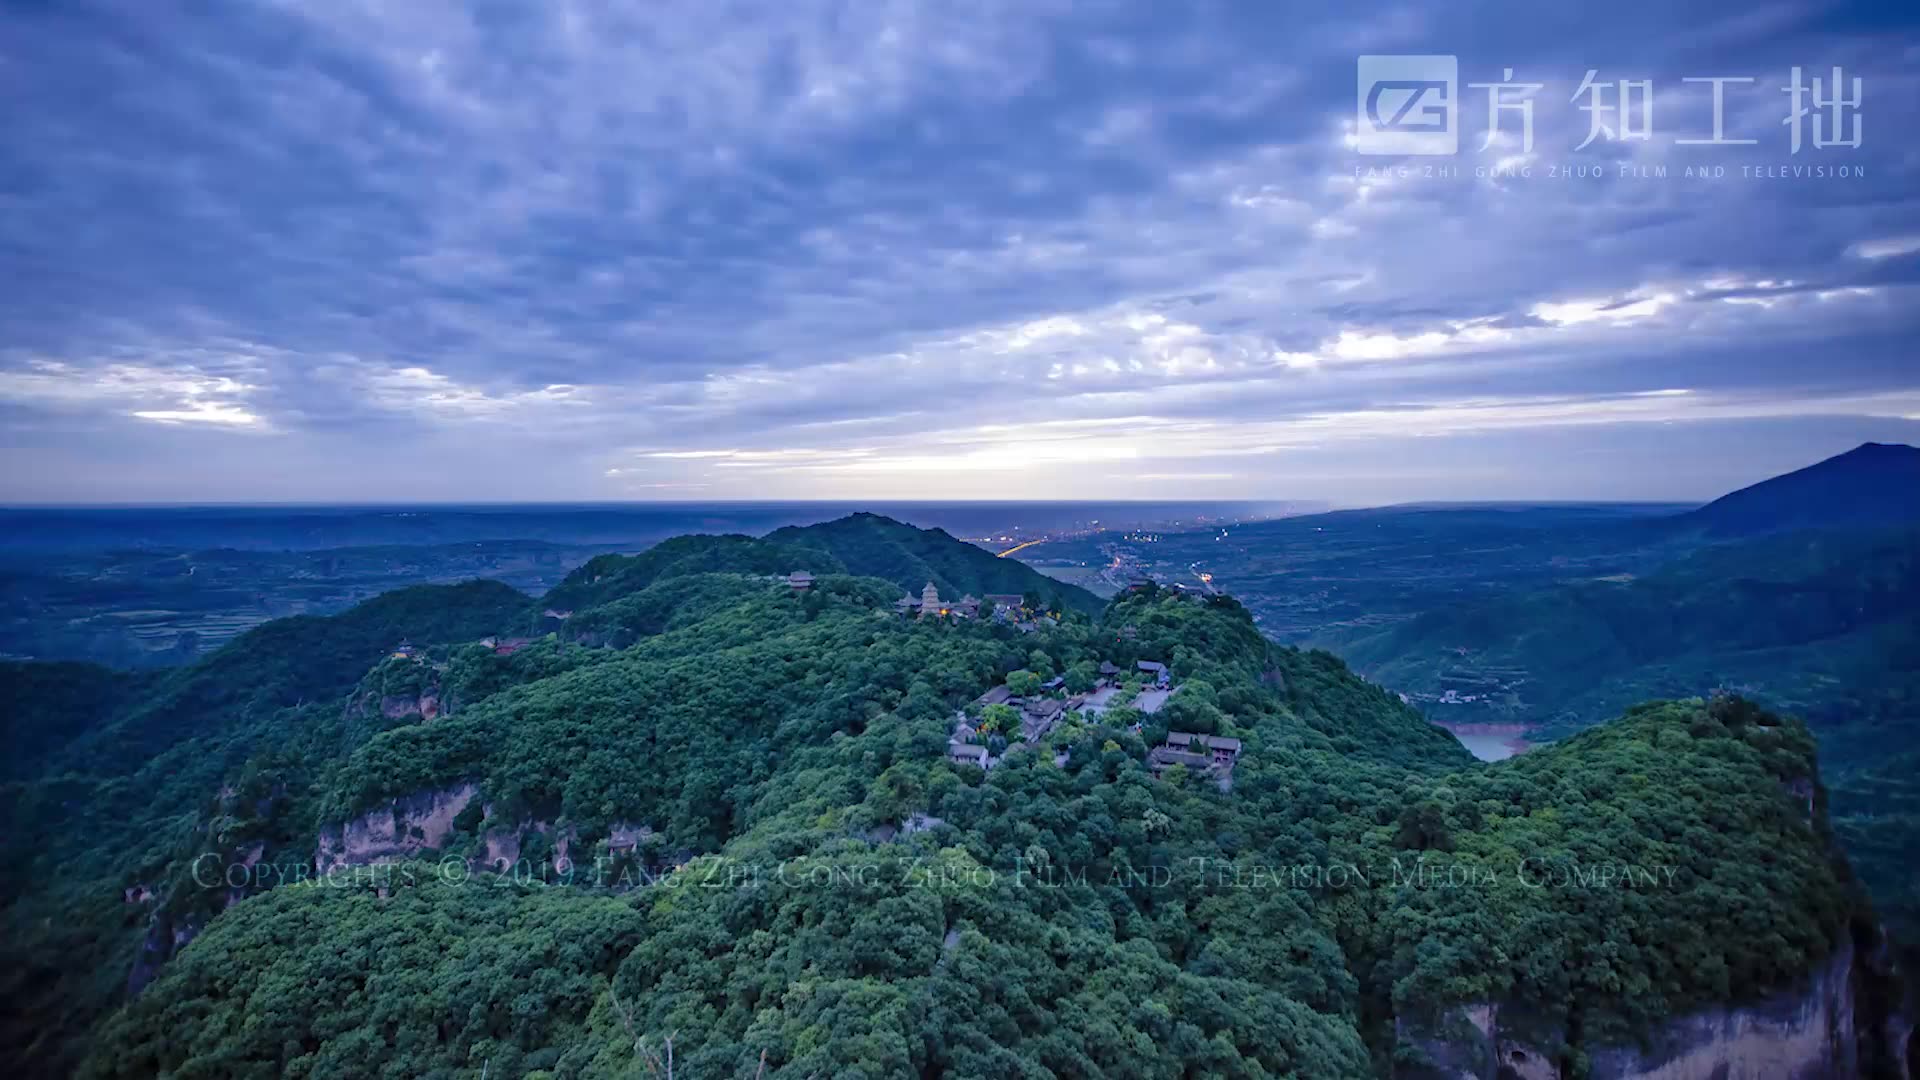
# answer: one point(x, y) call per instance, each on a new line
point(880, 547)
point(49, 704)
point(1876, 815)
point(288, 661)
point(1872, 484)
point(711, 809)
point(1824, 624)
point(909, 557)
point(132, 588)
point(608, 577)
point(1825, 621)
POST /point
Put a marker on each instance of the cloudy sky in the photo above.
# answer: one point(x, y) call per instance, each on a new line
point(314, 250)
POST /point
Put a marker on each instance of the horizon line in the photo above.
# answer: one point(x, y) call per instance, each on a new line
point(1320, 505)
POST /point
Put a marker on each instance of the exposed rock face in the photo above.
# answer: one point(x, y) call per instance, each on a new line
point(164, 938)
point(396, 706)
point(503, 845)
point(404, 827)
point(1805, 1034)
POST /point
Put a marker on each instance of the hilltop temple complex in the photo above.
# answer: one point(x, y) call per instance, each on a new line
point(967, 607)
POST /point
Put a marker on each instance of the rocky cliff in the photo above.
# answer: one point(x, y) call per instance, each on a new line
point(1812, 1032)
point(403, 827)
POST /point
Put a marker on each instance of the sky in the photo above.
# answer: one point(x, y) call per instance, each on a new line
point(431, 251)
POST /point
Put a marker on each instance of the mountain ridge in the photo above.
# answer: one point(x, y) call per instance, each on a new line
point(1871, 484)
point(910, 557)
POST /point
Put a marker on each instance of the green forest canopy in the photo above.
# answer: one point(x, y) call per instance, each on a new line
point(813, 880)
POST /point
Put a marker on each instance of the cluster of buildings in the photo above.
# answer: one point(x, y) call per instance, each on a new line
point(967, 607)
point(500, 646)
point(505, 646)
point(1039, 714)
point(930, 603)
point(1208, 755)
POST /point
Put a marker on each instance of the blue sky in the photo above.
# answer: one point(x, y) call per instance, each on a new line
point(396, 251)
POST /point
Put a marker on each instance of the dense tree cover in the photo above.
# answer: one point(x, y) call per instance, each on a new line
point(675, 730)
point(405, 974)
point(1711, 799)
point(881, 547)
point(1787, 614)
point(815, 885)
point(48, 705)
point(608, 577)
point(288, 661)
point(1825, 625)
point(669, 604)
point(1876, 815)
point(129, 801)
point(1358, 718)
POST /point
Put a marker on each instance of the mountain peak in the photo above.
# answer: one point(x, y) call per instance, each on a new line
point(1867, 450)
point(1871, 484)
point(878, 546)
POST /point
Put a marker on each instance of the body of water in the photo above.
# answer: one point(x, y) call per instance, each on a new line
point(1491, 742)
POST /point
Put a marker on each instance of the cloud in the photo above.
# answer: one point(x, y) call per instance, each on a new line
point(892, 245)
point(1574, 312)
point(431, 394)
point(1886, 248)
point(176, 395)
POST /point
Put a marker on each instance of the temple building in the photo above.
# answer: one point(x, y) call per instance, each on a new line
point(929, 603)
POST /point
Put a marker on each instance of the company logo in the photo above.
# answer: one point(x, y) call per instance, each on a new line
point(1408, 105)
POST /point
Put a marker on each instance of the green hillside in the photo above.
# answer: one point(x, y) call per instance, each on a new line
point(879, 547)
point(1820, 623)
point(607, 577)
point(287, 661)
point(1824, 625)
point(719, 811)
point(1876, 815)
point(50, 704)
point(910, 558)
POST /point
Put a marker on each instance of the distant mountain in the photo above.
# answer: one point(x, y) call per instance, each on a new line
point(1872, 484)
point(302, 658)
point(868, 545)
point(1822, 623)
point(609, 577)
point(881, 547)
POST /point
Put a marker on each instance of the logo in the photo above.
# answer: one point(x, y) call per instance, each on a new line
point(1408, 105)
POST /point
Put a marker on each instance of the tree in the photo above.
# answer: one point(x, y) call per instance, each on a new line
point(999, 718)
point(1023, 683)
